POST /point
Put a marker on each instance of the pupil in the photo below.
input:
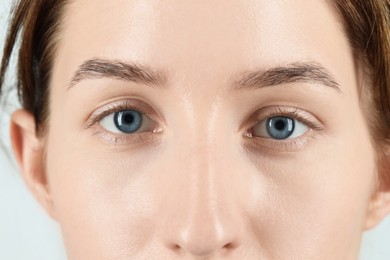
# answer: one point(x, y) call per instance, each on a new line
point(128, 121)
point(280, 125)
point(128, 118)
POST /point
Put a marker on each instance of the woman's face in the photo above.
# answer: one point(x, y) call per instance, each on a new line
point(197, 129)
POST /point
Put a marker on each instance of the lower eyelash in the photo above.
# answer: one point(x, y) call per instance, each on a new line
point(118, 139)
point(278, 146)
point(286, 145)
point(123, 139)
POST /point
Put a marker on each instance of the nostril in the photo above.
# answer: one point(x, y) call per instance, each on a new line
point(176, 247)
point(202, 250)
point(229, 246)
point(203, 239)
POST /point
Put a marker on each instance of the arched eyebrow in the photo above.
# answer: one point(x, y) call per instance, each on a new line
point(116, 69)
point(306, 72)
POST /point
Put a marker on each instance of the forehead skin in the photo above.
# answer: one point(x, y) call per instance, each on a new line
point(166, 34)
point(133, 201)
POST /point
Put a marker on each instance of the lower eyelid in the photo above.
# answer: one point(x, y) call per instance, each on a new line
point(270, 146)
point(128, 139)
point(287, 145)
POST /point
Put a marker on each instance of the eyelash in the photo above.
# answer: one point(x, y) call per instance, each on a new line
point(294, 113)
point(287, 144)
point(121, 138)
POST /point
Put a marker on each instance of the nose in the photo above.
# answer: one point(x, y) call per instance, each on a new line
point(207, 237)
point(201, 213)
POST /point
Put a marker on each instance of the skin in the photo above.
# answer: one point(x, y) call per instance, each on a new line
point(200, 187)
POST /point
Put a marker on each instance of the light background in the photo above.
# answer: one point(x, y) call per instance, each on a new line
point(26, 232)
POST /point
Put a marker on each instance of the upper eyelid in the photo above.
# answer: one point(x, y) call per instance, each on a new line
point(294, 114)
point(107, 109)
point(297, 113)
point(256, 117)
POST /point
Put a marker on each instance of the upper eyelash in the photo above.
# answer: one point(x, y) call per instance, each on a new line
point(294, 113)
point(284, 145)
point(112, 108)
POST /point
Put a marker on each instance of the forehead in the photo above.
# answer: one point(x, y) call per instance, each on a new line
point(204, 40)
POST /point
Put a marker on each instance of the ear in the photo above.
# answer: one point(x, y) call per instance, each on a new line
point(29, 152)
point(380, 202)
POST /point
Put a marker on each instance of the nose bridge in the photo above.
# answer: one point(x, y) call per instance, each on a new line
point(203, 215)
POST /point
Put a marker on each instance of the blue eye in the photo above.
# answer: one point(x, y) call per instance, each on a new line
point(280, 128)
point(127, 121)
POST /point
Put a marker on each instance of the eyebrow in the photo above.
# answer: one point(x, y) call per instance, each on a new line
point(115, 69)
point(306, 72)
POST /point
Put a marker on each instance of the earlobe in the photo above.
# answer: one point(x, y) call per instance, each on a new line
point(29, 152)
point(379, 206)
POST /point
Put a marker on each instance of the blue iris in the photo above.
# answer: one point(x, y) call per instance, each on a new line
point(128, 121)
point(280, 127)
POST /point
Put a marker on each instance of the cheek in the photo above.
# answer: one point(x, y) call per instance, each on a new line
point(110, 200)
point(312, 196)
point(104, 200)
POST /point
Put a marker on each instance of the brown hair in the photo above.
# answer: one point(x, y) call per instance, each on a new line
point(37, 23)
point(367, 26)
point(366, 22)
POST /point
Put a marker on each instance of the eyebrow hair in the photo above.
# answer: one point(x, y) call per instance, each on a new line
point(308, 72)
point(100, 68)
